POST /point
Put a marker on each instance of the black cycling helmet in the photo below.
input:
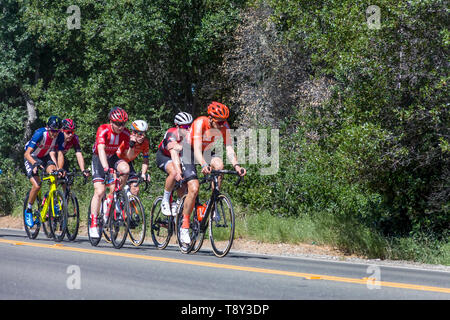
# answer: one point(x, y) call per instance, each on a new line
point(54, 123)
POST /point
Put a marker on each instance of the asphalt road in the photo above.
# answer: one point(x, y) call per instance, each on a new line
point(43, 269)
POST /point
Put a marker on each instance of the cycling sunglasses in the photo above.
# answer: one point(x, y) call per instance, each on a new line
point(120, 124)
point(139, 133)
point(69, 131)
point(185, 126)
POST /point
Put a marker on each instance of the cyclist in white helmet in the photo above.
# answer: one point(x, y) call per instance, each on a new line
point(139, 143)
point(168, 157)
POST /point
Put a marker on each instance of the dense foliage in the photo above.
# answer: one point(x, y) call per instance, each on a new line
point(363, 112)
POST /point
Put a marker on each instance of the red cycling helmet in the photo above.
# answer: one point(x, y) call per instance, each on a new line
point(68, 124)
point(218, 110)
point(117, 114)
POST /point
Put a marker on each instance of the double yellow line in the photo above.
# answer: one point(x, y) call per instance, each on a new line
point(309, 276)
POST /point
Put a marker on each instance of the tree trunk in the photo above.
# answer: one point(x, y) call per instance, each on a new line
point(31, 113)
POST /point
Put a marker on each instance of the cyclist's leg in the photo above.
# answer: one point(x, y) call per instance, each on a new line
point(164, 163)
point(35, 187)
point(35, 183)
point(190, 176)
point(99, 191)
point(122, 167)
point(170, 179)
point(189, 202)
point(217, 164)
point(98, 178)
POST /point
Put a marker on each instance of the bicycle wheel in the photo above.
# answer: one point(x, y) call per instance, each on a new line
point(160, 225)
point(95, 241)
point(73, 216)
point(221, 226)
point(198, 242)
point(33, 232)
point(200, 235)
point(193, 227)
point(58, 216)
point(119, 221)
point(138, 225)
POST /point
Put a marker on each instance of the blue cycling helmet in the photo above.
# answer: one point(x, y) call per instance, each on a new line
point(54, 123)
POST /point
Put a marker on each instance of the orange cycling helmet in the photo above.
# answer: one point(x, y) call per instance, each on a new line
point(218, 110)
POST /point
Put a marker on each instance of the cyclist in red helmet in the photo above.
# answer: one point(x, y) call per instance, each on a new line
point(204, 132)
point(109, 138)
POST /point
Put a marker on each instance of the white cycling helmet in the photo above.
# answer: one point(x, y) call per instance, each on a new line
point(183, 118)
point(139, 125)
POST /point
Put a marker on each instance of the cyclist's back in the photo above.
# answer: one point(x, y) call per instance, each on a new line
point(42, 143)
point(105, 135)
point(201, 130)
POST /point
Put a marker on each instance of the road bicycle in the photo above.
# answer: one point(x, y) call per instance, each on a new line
point(138, 224)
point(114, 216)
point(49, 211)
point(218, 217)
point(73, 211)
point(162, 227)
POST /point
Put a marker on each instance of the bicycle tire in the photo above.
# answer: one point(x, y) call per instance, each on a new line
point(221, 231)
point(73, 216)
point(33, 232)
point(119, 222)
point(199, 236)
point(105, 224)
point(193, 227)
point(138, 223)
point(46, 224)
point(58, 216)
point(198, 242)
point(161, 226)
point(95, 241)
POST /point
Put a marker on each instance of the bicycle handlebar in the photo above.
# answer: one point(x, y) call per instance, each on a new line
point(140, 180)
point(215, 173)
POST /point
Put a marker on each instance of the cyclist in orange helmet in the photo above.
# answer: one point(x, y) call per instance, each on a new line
point(204, 132)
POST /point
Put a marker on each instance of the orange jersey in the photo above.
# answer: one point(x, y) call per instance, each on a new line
point(201, 131)
point(143, 148)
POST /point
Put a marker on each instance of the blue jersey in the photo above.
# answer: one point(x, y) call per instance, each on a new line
point(42, 143)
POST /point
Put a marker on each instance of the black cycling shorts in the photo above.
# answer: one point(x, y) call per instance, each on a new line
point(162, 160)
point(46, 161)
point(132, 177)
point(189, 171)
point(98, 173)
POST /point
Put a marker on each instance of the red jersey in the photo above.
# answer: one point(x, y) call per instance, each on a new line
point(143, 148)
point(111, 140)
point(170, 138)
point(201, 131)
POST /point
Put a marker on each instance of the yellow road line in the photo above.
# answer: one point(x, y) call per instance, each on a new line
point(309, 276)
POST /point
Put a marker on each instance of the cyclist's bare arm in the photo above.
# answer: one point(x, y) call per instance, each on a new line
point(102, 156)
point(60, 160)
point(145, 166)
point(129, 153)
point(198, 155)
point(28, 156)
point(232, 157)
point(174, 154)
point(80, 160)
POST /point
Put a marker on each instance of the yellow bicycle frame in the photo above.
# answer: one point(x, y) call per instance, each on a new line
point(50, 198)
